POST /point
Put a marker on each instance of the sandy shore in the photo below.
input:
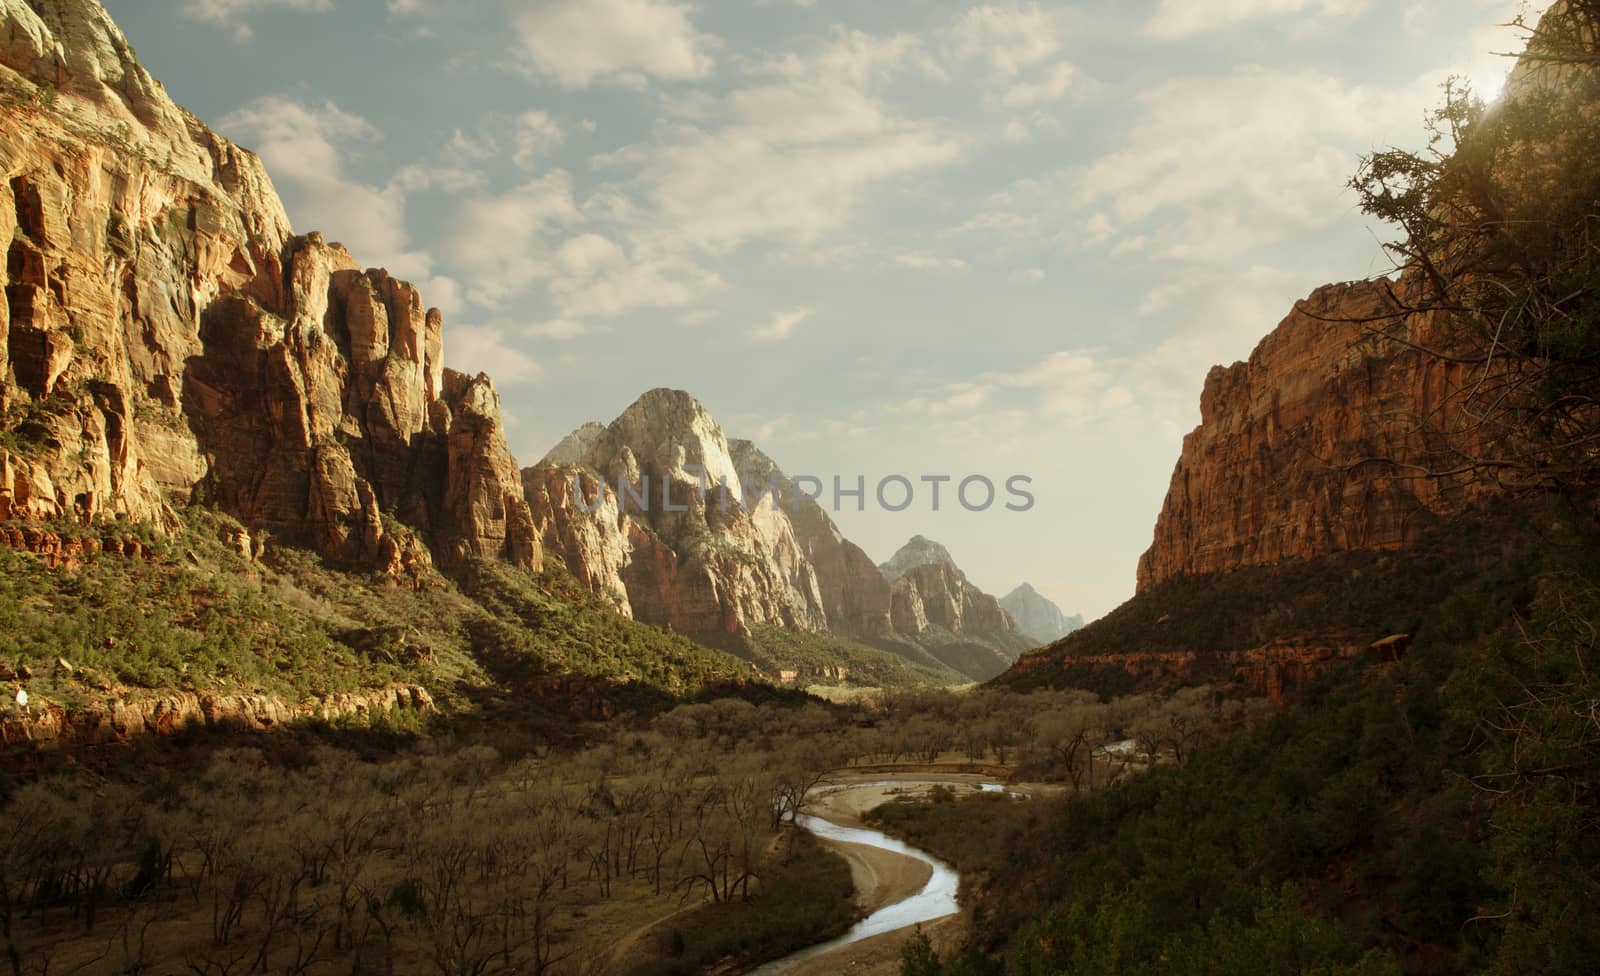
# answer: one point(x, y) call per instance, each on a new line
point(881, 877)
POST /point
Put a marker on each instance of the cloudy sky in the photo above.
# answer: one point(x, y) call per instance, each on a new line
point(915, 237)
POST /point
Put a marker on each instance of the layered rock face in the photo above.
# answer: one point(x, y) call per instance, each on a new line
point(1328, 439)
point(929, 589)
point(854, 596)
point(937, 594)
point(1275, 671)
point(666, 543)
point(166, 337)
point(121, 721)
point(1037, 618)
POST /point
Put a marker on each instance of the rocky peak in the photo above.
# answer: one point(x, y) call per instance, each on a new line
point(1037, 618)
point(854, 594)
point(920, 551)
point(575, 446)
point(712, 569)
point(665, 432)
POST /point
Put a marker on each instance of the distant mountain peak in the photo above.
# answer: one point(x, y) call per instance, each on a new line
point(1037, 617)
point(919, 551)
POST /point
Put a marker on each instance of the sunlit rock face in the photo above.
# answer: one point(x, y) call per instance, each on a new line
point(1340, 433)
point(666, 542)
point(166, 337)
point(638, 511)
point(1321, 442)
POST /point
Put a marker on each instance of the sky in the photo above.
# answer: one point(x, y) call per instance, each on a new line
point(907, 237)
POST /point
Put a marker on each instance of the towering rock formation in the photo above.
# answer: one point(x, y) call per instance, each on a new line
point(575, 446)
point(1037, 618)
point(668, 544)
point(1328, 439)
point(165, 336)
point(855, 597)
point(665, 543)
point(1346, 430)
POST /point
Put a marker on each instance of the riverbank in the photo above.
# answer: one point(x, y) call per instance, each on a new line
point(902, 888)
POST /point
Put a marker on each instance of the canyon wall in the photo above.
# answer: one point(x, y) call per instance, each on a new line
point(1329, 438)
point(166, 337)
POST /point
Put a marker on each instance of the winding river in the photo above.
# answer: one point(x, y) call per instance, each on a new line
point(936, 899)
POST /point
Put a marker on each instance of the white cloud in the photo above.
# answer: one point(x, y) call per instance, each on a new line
point(535, 134)
point(588, 255)
point(1211, 168)
point(579, 42)
point(306, 148)
point(1028, 276)
point(952, 400)
point(558, 330)
point(639, 282)
point(994, 223)
point(1052, 87)
point(1016, 131)
point(1200, 319)
point(417, 177)
point(919, 261)
point(230, 13)
point(781, 326)
point(787, 159)
point(474, 349)
point(502, 242)
point(1180, 18)
point(1010, 38)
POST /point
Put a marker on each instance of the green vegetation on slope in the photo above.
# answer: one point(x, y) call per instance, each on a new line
point(553, 625)
point(1362, 596)
point(166, 622)
point(817, 658)
point(976, 657)
point(196, 615)
point(1436, 815)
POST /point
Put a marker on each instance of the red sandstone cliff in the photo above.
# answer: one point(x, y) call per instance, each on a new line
point(1325, 440)
point(165, 335)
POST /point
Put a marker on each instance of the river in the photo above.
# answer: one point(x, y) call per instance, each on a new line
point(936, 899)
